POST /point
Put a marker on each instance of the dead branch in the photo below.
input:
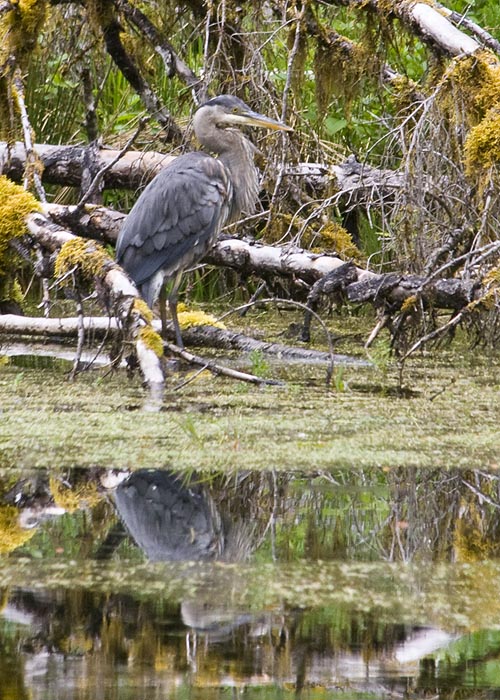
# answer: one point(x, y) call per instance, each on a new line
point(62, 165)
point(99, 176)
point(436, 30)
point(174, 65)
point(382, 290)
point(426, 22)
point(217, 369)
point(121, 295)
point(99, 327)
point(111, 31)
point(460, 20)
point(30, 170)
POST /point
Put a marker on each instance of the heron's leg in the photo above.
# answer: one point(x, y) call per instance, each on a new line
point(172, 303)
point(162, 301)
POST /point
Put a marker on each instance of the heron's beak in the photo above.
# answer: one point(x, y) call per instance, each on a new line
point(255, 119)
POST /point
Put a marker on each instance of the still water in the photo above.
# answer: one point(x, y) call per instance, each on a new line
point(341, 584)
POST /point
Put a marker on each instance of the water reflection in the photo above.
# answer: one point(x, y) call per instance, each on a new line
point(154, 583)
point(364, 515)
point(173, 518)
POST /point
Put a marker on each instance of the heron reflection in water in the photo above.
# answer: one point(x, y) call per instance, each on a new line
point(178, 217)
point(174, 518)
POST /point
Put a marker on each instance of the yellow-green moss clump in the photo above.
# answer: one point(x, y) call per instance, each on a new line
point(90, 258)
point(20, 26)
point(335, 238)
point(473, 83)
point(15, 205)
point(83, 495)
point(409, 304)
point(482, 147)
point(187, 319)
point(143, 309)
point(12, 535)
point(151, 340)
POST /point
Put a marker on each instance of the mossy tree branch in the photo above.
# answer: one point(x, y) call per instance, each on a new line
point(120, 295)
point(104, 14)
point(174, 65)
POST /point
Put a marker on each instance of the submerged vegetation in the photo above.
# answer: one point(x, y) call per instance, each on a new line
point(365, 419)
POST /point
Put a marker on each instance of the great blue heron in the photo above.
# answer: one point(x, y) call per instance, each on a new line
point(178, 217)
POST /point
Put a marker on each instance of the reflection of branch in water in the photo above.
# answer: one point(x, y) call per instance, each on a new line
point(483, 497)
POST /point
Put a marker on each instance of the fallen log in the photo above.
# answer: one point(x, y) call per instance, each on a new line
point(252, 258)
point(63, 165)
point(121, 294)
point(99, 327)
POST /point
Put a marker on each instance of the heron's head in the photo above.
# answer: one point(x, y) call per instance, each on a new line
point(227, 111)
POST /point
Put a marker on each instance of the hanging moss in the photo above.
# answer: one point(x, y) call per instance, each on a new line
point(482, 146)
point(101, 13)
point(12, 535)
point(19, 29)
point(151, 340)
point(340, 66)
point(379, 32)
point(475, 81)
point(90, 258)
point(9, 126)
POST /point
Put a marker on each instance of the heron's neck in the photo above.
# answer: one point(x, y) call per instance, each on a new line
point(237, 154)
point(239, 160)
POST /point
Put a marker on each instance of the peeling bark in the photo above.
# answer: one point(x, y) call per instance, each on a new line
point(63, 165)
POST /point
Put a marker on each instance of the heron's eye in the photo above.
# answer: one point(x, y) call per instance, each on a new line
point(235, 110)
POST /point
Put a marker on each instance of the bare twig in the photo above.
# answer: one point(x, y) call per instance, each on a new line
point(482, 497)
point(80, 338)
point(303, 307)
point(454, 321)
point(218, 369)
point(284, 108)
point(102, 172)
point(30, 170)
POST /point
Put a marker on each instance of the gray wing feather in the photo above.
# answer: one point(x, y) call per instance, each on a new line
point(176, 219)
